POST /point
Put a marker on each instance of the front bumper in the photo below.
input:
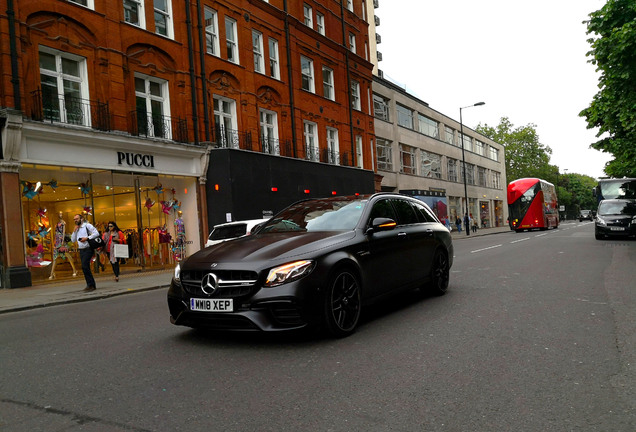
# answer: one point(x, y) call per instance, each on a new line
point(612, 231)
point(291, 306)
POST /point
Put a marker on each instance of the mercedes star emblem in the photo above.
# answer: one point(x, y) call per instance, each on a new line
point(209, 283)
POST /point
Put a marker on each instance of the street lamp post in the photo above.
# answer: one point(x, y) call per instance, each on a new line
point(461, 127)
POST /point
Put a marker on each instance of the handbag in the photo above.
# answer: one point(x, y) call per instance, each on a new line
point(97, 242)
point(121, 251)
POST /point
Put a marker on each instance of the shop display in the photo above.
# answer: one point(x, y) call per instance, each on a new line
point(61, 246)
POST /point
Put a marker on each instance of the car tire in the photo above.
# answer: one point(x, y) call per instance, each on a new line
point(342, 305)
point(597, 236)
point(440, 273)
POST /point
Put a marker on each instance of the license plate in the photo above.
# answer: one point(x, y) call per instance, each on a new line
point(211, 305)
point(617, 228)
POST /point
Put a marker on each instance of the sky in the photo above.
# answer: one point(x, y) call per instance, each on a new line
point(525, 59)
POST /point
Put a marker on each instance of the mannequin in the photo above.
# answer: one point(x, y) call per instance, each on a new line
point(60, 249)
point(180, 237)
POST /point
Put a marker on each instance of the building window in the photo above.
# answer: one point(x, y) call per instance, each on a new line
point(134, 13)
point(470, 173)
point(327, 83)
point(428, 126)
point(274, 71)
point(64, 83)
point(407, 159)
point(211, 32)
point(352, 43)
point(333, 148)
point(496, 180)
point(88, 3)
point(231, 40)
point(153, 108)
point(308, 14)
point(468, 143)
point(452, 170)
point(307, 71)
point(269, 132)
point(380, 107)
point(480, 148)
point(225, 122)
point(350, 5)
point(359, 155)
point(449, 135)
point(385, 154)
point(163, 18)
point(481, 176)
point(257, 48)
point(311, 141)
point(494, 154)
point(320, 23)
point(405, 117)
point(355, 95)
point(431, 164)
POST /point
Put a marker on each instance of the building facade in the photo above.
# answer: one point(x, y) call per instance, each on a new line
point(419, 152)
point(113, 108)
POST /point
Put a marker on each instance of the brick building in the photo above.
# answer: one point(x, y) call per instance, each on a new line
point(117, 108)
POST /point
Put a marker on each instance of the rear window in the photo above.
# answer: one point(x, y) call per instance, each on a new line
point(228, 232)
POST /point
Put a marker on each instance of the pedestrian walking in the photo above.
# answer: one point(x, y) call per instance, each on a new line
point(475, 225)
point(83, 231)
point(458, 224)
point(112, 237)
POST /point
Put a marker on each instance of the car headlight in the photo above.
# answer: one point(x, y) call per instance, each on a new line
point(288, 272)
point(601, 221)
point(177, 273)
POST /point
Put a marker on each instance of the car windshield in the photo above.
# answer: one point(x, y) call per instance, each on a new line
point(617, 208)
point(331, 214)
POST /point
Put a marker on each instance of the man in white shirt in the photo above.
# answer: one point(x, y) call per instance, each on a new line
point(84, 231)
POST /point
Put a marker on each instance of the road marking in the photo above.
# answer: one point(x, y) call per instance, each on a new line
point(517, 241)
point(541, 235)
point(481, 250)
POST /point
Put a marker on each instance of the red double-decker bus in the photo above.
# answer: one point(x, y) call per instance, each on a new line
point(532, 203)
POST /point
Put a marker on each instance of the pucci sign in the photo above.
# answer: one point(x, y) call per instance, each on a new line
point(135, 159)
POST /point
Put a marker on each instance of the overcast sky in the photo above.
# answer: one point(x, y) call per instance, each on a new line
point(525, 59)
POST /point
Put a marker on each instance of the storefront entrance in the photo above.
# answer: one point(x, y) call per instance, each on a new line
point(148, 209)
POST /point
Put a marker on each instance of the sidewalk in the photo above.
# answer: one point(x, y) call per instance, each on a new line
point(70, 291)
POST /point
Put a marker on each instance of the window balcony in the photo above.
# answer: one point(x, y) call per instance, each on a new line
point(158, 126)
point(230, 138)
point(330, 156)
point(65, 109)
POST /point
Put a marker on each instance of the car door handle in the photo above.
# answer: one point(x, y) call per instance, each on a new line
point(428, 232)
point(401, 234)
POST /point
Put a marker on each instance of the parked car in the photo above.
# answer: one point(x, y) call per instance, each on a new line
point(228, 231)
point(615, 217)
point(585, 215)
point(316, 263)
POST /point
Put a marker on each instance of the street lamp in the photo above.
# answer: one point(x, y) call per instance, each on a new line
point(461, 127)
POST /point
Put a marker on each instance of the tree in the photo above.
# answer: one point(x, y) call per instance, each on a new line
point(612, 109)
point(525, 155)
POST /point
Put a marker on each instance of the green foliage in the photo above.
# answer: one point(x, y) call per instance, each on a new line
point(525, 155)
point(575, 193)
point(613, 42)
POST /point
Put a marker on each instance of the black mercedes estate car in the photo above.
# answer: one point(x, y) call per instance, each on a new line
point(316, 263)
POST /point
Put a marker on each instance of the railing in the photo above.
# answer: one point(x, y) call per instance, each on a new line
point(269, 145)
point(56, 108)
point(330, 156)
point(312, 153)
point(158, 126)
point(229, 138)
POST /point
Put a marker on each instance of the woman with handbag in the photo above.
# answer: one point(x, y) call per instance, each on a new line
point(82, 233)
point(112, 237)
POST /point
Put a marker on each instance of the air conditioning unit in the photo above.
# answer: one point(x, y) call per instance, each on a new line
point(378, 38)
point(376, 4)
point(376, 19)
point(379, 56)
point(380, 74)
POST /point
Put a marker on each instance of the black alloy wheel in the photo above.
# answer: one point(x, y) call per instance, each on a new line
point(440, 273)
point(342, 304)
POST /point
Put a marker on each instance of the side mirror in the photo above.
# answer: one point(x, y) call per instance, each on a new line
point(382, 224)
